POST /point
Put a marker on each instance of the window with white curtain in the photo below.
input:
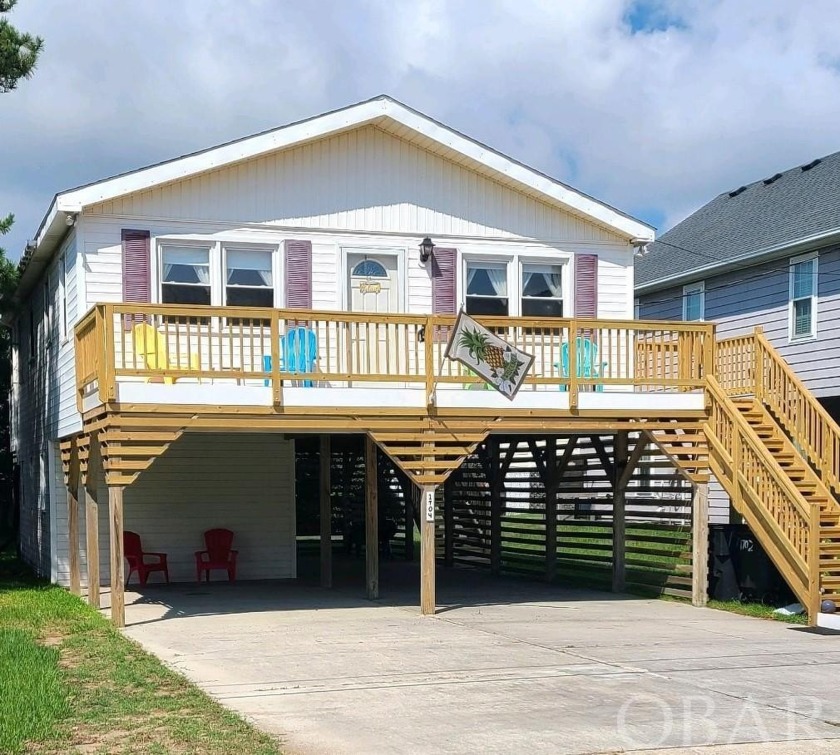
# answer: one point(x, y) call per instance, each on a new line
point(803, 297)
point(542, 291)
point(185, 275)
point(487, 290)
point(248, 278)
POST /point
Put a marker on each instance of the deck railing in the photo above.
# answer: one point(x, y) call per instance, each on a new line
point(761, 492)
point(244, 346)
point(750, 366)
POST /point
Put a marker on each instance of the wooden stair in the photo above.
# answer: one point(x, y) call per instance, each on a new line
point(685, 446)
point(809, 485)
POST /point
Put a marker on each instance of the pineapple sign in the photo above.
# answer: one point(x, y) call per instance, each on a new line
point(500, 365)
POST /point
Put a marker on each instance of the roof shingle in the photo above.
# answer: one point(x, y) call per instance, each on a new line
point(795, 204)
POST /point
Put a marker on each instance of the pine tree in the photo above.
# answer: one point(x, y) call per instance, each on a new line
point(18, 55)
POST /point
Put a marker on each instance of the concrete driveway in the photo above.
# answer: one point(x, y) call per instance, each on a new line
point(506, 666)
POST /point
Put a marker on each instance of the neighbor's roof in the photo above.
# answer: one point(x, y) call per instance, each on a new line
point(797, 208)
point(381, 111)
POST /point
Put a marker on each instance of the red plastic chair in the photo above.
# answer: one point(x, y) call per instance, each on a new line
point(136, 557)
point(218, 554)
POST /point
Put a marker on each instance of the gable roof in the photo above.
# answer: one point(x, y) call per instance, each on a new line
point(797, 209)
point(384, 112)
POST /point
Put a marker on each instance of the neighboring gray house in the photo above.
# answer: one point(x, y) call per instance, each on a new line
point(768, 254)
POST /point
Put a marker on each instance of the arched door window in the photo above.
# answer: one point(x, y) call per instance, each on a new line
point(369, 269)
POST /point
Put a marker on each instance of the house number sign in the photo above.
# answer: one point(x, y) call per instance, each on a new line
point(430, 506)
point(369, 287)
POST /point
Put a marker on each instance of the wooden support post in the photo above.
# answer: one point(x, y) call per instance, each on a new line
point(92, 545)
point(814, 595)
point(371, 520)
point(73, 519)
point(115, 510)
point(700, 544)
point(325, 504)
point(409, 492)
point(427, 550)
point(551, 484)
point(496, 480)
point(619, 529)
point(448, 523)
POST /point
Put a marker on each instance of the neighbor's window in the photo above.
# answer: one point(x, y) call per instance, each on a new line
point(185, 275)
point(486, 286)
point(694, 301)
point(803, 297)
point(542, 290)
point(248, 278)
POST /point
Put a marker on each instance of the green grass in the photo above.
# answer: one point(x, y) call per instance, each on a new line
point(757, 610)
point(70, 682)
point(33, 696)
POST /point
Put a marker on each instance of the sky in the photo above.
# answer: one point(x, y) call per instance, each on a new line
point(654, 107)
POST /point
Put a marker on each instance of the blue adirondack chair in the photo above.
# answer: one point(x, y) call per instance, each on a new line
point(298, 353)
point(586, 358)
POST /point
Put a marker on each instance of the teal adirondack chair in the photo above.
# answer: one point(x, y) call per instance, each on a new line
point(586, 358)
point(298, 353)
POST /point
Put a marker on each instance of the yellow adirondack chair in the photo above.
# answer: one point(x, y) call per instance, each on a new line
point(150, 345)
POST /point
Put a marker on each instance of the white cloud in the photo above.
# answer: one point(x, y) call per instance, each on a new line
point(702, 96)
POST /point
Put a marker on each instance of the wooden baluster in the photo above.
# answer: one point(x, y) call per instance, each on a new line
point(429, 361)
point(573, 382)
point(276, 395)
point(110, 387)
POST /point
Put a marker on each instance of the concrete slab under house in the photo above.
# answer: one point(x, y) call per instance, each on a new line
point(253, 338)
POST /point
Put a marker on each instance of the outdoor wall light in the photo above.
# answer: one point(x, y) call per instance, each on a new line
point(427, 246)
point(70, 219)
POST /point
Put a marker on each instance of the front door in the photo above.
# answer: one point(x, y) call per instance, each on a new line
point(373, 281)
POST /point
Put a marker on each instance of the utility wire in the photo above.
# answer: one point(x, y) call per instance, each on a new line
point(762, 274)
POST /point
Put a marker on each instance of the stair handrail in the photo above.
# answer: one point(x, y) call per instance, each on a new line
point(799, 540)
point(810, 426)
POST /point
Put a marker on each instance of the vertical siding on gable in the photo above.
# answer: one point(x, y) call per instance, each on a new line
point(367, 180)
point(245, 483)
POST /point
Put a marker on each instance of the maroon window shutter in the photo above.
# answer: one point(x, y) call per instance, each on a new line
point(298, 274)
point(136, 270)
point(586, 285)
point(444, 298)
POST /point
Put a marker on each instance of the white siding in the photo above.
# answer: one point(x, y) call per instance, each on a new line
point(43, 395)
point(245, 483)
point(103, 259)
point(363, 180)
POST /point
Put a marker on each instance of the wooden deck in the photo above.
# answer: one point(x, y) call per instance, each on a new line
point(205, 358)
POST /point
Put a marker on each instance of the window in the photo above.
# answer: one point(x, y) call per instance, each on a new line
point(248, 278)
point(542, 291)
point(694, 301)
point(369, 269)
point(803, 297)
point(637, 310)
point(185, 275)
point(487, 288)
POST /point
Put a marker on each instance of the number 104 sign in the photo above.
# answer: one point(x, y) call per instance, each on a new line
point(430, 506)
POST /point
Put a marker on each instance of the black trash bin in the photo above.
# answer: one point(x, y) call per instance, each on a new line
point(741, 569)
point(723, 583)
